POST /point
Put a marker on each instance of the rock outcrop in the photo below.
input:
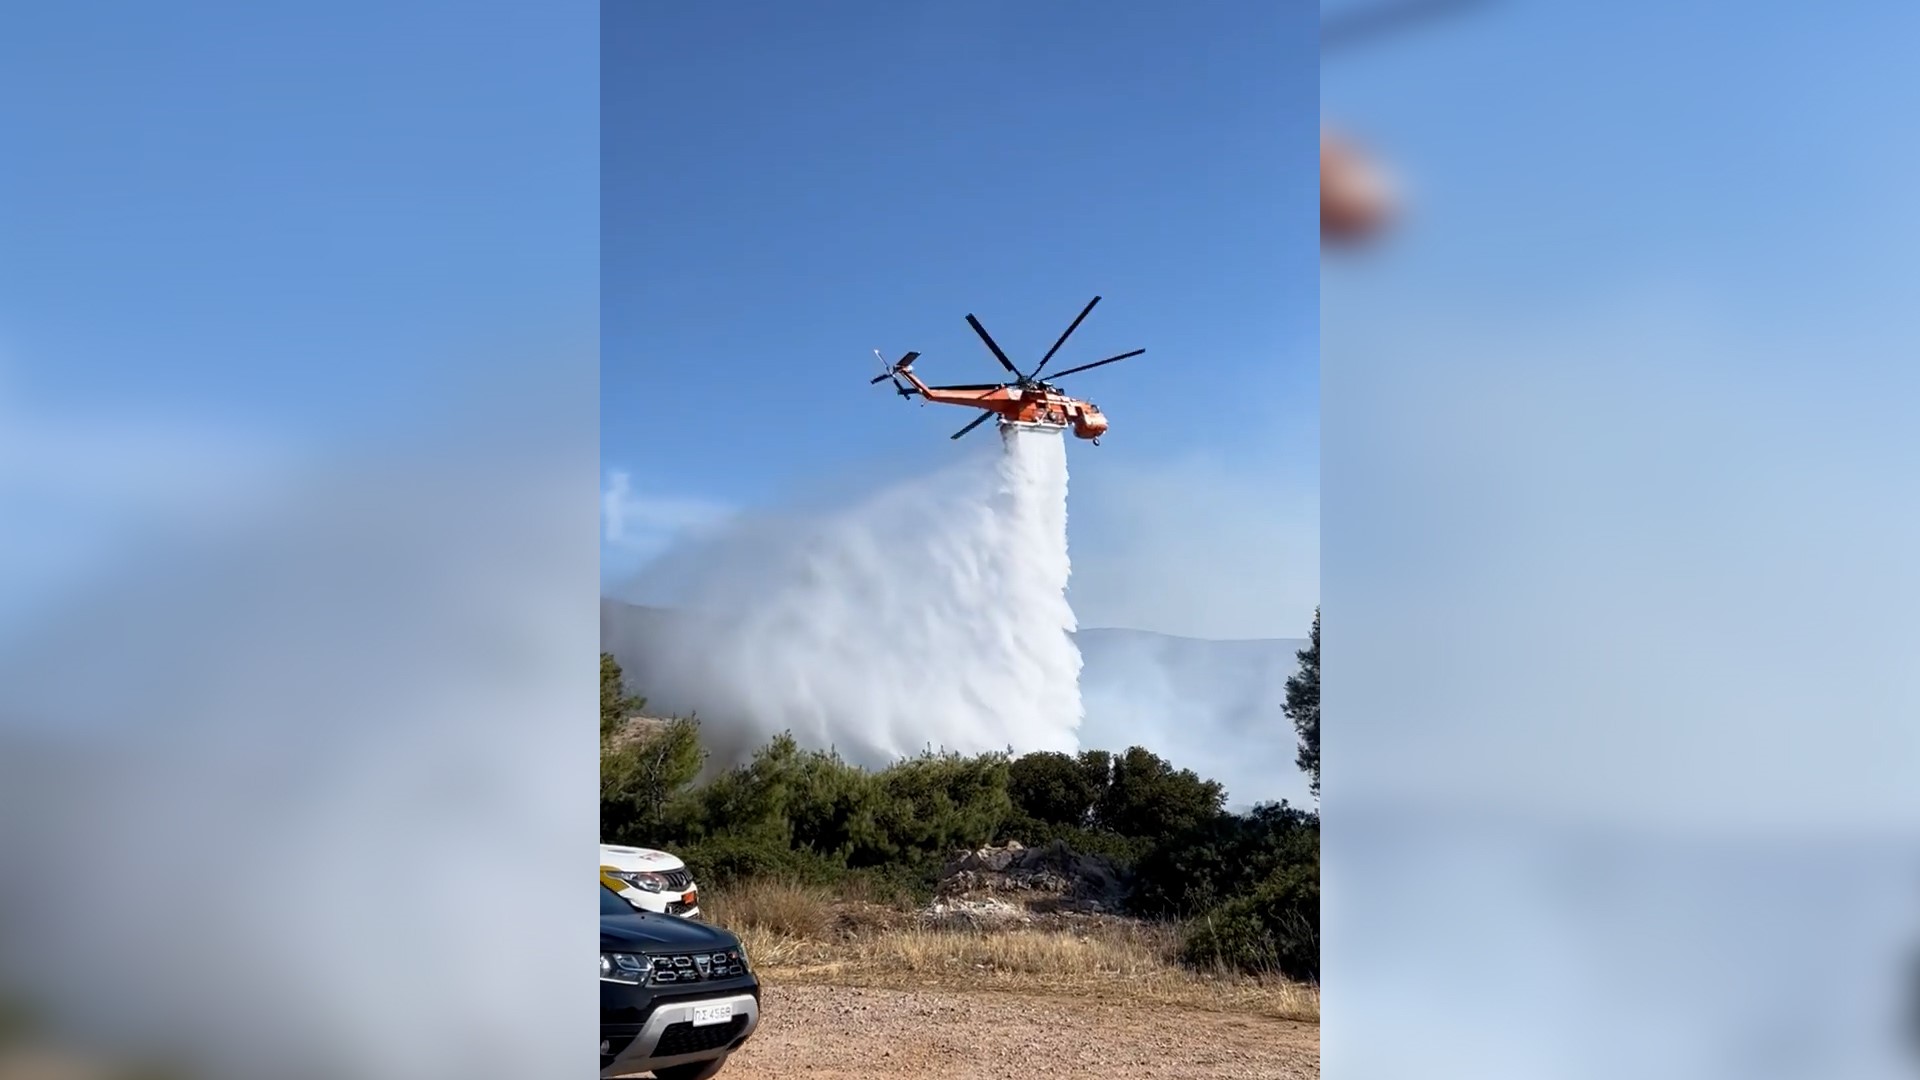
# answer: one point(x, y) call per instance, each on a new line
point(1018, 874)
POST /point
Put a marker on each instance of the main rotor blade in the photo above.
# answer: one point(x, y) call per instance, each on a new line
point(1101, 363)
point(1358, 22)
point(1063, 337)
point(971, 386)
point(977, 421)
point(880, 378)
point(997, 354)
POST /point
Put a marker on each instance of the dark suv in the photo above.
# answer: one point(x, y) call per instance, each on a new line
point(676, 995)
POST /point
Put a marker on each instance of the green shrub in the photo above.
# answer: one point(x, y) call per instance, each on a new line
point(1221, 858)
point(641, 778)
point(1123, 851)
point(1057, 789)
point(1146, 796)
point(724, 861)
point(897, 884)
point(935, 803)
point(1275, 930)
point(1249, 884)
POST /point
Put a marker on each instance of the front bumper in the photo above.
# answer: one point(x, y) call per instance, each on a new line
point(684, 905)
point(668, 1036)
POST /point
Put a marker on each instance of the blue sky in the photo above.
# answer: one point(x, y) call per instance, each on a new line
point(276, 203)
point(786, 188)
point(233, 228)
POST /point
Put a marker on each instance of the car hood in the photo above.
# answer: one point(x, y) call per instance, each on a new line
point(644, 931)
point(637, 860)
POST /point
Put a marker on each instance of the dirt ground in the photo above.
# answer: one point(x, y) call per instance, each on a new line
point(870, 1034)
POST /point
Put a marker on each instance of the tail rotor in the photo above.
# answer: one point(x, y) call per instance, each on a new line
point(892, 371)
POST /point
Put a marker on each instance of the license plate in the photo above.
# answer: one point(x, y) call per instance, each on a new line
point(704, 1015)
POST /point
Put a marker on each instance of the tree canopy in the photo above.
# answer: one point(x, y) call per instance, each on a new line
point(1303, 707)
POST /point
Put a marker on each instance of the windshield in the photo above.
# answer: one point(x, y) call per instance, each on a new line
point(611, 904)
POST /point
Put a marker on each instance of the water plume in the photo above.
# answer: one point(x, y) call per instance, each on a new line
point(932, 614)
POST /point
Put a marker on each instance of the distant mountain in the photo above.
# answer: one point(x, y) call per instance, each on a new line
point(623, 630)
point(1209, 706)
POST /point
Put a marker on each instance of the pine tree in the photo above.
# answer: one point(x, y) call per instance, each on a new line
point(1303, 706)
point(615, 703)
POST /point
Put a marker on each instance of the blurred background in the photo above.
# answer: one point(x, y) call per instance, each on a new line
point(1617, 521)
point(298, 432)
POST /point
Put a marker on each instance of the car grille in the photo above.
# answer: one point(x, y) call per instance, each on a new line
point(696, 967)
point(677, 880)
point(684, 1038)
point(677, 908)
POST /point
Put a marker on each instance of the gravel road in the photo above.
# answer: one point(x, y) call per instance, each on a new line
point(829, 1032)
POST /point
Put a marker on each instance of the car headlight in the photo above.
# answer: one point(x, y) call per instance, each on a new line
point(742, 950)
point(625, 968)
point(643, 880)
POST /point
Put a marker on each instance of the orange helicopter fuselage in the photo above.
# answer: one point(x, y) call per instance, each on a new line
point(1023, 405)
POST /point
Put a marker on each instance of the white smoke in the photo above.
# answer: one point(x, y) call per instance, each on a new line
point(930, 615)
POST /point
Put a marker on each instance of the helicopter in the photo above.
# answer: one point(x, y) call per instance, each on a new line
point(1027, 401)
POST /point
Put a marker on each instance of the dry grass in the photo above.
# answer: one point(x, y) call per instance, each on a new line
point(804, 934)
point(777, 908)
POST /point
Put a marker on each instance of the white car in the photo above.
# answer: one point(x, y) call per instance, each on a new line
point(650, 880)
